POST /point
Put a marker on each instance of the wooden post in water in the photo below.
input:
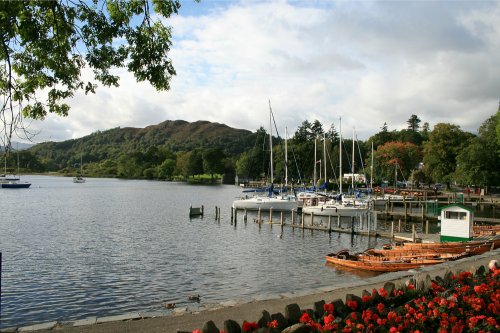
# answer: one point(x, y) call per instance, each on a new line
point(235, 216)
point(216, 213)
point(406, 207)
point(246, 216)
point(302, 219)
point(375, 221)
point(232, 215)
point(312, 219)
point(352, 225)
point(258, 217)
point(219, 215)
point(426, 227)
point(392, 229)
point(413, 233)
point(387, 204)
point(270, 215)
point(202, 210)
point(338, 221)
point(399, 226)
point(281, 219)
point(293, 216)
point(368, 222)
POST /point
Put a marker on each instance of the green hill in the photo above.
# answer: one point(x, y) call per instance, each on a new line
point(168, 139)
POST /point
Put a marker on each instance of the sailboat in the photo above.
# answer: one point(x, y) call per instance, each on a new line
point(276, 203)
point(13, 181)
point(334, 208)
point(79, 178)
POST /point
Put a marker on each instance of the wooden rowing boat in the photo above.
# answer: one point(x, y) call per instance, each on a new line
point(459, 247)
point(415, 253)
point(378, 264)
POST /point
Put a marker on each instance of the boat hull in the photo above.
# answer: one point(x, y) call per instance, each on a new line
point(460, 247)
point(379, 264)
point(265, 203)
point(16, 185)
point(335, 210)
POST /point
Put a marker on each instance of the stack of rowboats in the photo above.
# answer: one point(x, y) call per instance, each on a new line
point(404, 256)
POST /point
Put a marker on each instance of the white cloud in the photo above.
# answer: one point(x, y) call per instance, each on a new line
point(369, 62)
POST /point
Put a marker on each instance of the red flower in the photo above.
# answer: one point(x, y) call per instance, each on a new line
point(196, 331)
point(381, 321)
point(380, 307)
point(305, 318)
point(329, 319)
point(273, 324)
point(366, 298)
point(383, 293)
point(392, 316)
point(491, 321)
point(328, 308)
point(352, 304)
point(249, 327)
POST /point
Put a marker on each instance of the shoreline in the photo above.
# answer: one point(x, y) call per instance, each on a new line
point(251, 311)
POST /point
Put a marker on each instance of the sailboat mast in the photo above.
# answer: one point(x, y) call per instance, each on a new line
point(352, 169)
point(324, 156)
point(271, 139)
point(315, 160)
point(340, 153)
point(18, 159)
point(286, 158)
point(371, 171)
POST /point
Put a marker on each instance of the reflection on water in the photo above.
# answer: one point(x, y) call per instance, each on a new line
point(111, 246)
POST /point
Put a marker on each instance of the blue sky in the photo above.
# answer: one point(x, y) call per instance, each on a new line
point(369, 62)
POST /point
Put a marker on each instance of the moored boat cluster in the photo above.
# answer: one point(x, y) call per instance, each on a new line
point(406, 256)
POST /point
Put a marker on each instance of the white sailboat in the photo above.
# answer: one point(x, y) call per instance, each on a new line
point(334, 208)
point(79, 178)
point(13, 181)
point(276, 203)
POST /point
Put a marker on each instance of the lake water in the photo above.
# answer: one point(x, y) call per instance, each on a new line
point(111, 246)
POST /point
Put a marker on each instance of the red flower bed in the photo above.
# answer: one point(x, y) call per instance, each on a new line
point(463, 303)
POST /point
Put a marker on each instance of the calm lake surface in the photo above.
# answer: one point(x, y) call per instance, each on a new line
point(111, 246)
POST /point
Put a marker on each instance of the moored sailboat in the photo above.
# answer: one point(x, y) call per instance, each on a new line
point(277, 203)
point(79, 178)
point(13, 181)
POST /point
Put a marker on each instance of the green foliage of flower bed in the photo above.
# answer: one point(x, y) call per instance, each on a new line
point(456, 303)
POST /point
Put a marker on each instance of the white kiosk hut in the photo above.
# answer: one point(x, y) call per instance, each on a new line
point(456, 223)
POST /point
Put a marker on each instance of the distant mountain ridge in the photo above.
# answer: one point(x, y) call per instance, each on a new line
point(176, 135)
point(18, 145)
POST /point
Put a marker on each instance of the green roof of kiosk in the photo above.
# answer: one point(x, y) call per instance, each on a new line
point(457, 205)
